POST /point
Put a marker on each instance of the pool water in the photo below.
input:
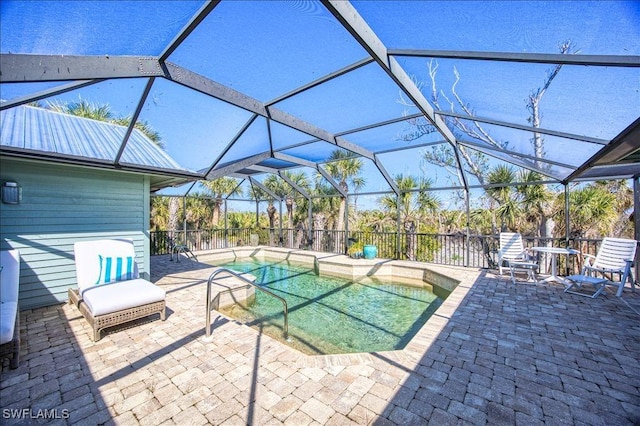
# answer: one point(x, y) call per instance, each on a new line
point(330, 315)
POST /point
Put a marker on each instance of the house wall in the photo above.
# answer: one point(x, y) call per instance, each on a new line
point(62, 204)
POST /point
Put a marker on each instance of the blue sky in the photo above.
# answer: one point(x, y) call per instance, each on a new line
point(265, 49)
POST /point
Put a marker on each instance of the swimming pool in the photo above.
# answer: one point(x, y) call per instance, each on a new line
point(329, 315)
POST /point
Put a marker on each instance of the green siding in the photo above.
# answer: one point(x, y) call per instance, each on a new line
point(64, 204)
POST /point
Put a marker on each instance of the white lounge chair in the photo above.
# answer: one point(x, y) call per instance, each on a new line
point(9, 309)
point(110, 291)
point(615, 257)
point(513, 253)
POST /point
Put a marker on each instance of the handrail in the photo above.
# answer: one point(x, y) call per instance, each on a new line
point(181, 248)
point(285, 330)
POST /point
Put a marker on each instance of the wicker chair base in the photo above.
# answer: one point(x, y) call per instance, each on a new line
point(12, 348)
point(100, 322)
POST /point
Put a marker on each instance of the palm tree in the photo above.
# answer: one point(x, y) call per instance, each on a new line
point(592, 210)
point(413, 206)
point(345, 168)
point(219, 188)
point(93, 111)
point(83, 108)
point(623, 205)
point(283, 190)
point(503, 195)
point(196, 215)
point(198, 212)
point(144, 127)
point(325, 214)
point(159, 213)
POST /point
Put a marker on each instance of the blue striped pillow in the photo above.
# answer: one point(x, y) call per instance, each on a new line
point(114, 269)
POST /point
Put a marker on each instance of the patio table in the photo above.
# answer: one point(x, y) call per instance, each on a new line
point(554, 252)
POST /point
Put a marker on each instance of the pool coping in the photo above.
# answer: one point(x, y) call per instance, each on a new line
point(459, 279)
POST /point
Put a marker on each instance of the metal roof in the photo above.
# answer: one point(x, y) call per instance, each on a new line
point(253, 88)
point(27, 130)
point(38, 129)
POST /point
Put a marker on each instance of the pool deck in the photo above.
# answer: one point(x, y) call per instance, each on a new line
point(494, 353)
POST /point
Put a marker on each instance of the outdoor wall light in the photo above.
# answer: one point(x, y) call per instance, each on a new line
point(11, 193)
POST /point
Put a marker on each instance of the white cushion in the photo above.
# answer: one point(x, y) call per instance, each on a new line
point(7, 320)
point(87, 257)
point(10, 275)
point(113, 297)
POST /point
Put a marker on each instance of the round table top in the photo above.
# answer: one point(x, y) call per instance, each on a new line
point(556, 250)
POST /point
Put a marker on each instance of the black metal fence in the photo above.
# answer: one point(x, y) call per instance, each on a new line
point(457, 249)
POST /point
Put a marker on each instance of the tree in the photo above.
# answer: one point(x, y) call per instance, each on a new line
point(527, 208)
point(345, 168)
point(623, 205)
point(507, 209)
point(198, 212)
point(535, 96)
point(218, 189)
point(271, 213)
point(159, 213)
point(144, 127)
point(83, 108)
point(414, 207)
point(93, 111)
point(172, 226)
point(472, 161)
point(282, 189)
point(593, 210)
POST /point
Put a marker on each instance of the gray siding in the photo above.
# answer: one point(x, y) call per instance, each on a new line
point(61, 205)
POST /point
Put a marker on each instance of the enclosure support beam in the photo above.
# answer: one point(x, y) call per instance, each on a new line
point(188, 28)
point(281, 239)
point(133, 121)
point(636, 220)
point(257, 214)
point(294, 186)
point(398, 226)
point(534, 58)
point(271, 194)
point(567, 218)
point(237, 166)
point(467, 261)
point(190, 79)
point(346, 224)
point(305, 195)
point(226, 226)
point(25, 68)
point(565, 135)
point(310, 234)
point(310, 164)
point(321, 80)
point(351, 20)
point(184, 218)
point(231, 143)
point(516, 159)
point(386, 175)
point(264, 188)
point(43, 94)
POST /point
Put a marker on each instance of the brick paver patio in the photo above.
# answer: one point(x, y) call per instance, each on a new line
point(495, 353)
